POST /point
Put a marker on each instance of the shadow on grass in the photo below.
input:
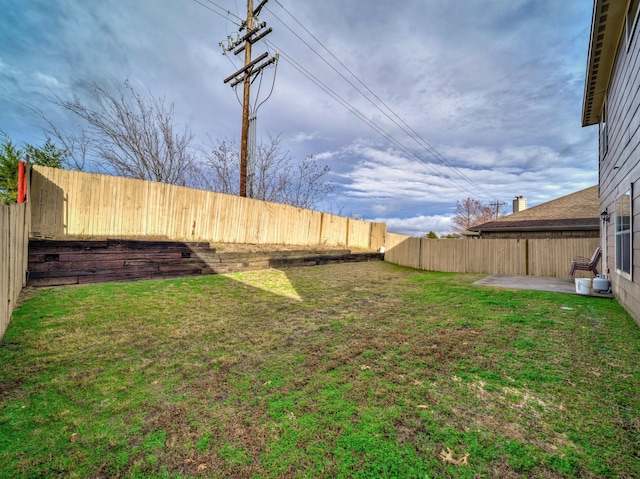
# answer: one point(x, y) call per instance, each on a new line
point(354, 370)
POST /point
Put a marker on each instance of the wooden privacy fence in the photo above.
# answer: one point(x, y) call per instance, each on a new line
point(70, 204)
point(14, 244)
point(531, 257)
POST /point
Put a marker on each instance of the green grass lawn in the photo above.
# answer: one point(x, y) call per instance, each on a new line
point(345, 371)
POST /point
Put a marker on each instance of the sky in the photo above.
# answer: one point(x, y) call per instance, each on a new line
point(430, 101)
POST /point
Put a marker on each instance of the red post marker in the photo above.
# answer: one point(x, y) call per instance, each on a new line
point(22, 183)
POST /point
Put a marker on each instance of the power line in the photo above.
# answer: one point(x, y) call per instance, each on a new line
point(403, 125)
point(378, 129)
point(228, 12)
point(407, 129)
point(223, 15)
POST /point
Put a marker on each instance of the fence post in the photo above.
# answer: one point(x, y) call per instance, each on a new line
point(22, 183)
point(347, 239)
point(321, 228)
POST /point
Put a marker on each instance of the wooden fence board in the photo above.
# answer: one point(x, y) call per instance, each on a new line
point(333, 229)
point(378, 236)
point(443, 255)
point(5, 273)
point(100, 206)
point(359, 234)
point(532, 257)
point(553, 257)
point(403, 250)
point(393, 240)
point(14, 240)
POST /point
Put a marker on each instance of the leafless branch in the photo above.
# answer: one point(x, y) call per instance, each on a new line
point(134, 135)
point(276, 176)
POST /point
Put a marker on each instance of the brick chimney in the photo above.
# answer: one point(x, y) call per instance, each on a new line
point(519, 204)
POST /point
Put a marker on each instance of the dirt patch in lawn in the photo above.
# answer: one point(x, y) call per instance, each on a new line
point(351, 370)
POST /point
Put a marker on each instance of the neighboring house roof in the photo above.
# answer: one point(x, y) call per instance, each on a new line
point(606, 29)
point(575, 212)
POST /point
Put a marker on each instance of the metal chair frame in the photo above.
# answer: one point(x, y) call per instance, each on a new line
point(581, 263)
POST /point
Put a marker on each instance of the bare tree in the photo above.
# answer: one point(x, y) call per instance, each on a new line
point(133, 134)
point(469, 213)
point(307, 186)
point(276, 176)
point(77, 146)
point(219, 169)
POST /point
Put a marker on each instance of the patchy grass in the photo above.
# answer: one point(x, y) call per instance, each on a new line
point(356, 370)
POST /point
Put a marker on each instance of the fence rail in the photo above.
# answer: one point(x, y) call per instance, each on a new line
point(14, 244)
point(532, 257)
point(69, 204)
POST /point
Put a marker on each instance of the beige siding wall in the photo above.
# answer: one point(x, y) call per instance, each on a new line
point(14, 244)
point(620, 166)
point(498, 256)
point(69, 204)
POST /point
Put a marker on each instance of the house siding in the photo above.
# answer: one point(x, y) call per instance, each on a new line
point(619, 169)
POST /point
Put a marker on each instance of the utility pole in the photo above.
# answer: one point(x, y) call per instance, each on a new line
point(497, 204)
point(251, 67)
point(245, 105)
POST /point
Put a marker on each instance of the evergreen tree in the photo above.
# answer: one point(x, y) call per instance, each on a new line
point(11, 155)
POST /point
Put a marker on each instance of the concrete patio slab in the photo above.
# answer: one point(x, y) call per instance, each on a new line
point(539, 283)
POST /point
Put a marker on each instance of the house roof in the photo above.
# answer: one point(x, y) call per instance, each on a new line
point(574, 212)
point(606, 28)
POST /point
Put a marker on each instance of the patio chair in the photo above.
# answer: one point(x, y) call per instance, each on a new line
point(585, 264)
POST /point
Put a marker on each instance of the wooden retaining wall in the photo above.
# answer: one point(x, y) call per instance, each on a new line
point(531, 257)
point(75, 205)
point(53, 263)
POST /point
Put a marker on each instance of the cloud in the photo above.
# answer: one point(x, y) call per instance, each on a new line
point(47, 80)
point(7, 69)
point(418, 225)
point(495, 86)
point(303, 136)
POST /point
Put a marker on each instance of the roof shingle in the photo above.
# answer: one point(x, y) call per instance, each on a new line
point(579, 210)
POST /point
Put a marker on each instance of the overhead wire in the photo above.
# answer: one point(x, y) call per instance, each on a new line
point(273, 84)
point(378, 129)
point(227, 12)
point(407, 129)
point(391, 114)
point(226, 17)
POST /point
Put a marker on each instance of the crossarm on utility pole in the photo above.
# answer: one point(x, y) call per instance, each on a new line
point(258, 69)
point(253, 40)
point(246, 67)
point(256, 12)
point(244, 75)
